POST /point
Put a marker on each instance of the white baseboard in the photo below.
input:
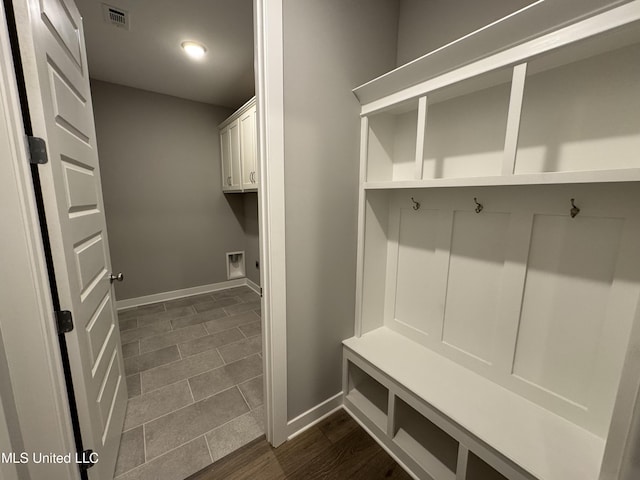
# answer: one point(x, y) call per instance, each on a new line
point(253, 286)
point(314, 415)
point(185, 292)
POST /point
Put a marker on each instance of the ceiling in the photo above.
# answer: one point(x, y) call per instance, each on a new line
point(149, 56)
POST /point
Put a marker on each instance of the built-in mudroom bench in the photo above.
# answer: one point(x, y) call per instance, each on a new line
point(497, 322)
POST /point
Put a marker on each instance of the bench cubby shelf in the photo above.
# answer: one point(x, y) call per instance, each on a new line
point(495, 326)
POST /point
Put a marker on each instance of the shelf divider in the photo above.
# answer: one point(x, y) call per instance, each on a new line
point(391, 415)
point(463, 458)
point(513, 118)
point(420, 135)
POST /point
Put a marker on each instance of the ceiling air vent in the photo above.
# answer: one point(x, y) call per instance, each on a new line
point(116, 16)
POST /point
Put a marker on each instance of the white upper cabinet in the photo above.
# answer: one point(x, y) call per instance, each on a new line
point(225, 156)
point(239, 150)
point(248, 149)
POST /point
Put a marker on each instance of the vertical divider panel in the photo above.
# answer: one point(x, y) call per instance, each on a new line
point(391, 415)
point(513, 119)
point(515, 272)
point(364, 140)
point(420, 135)
point(392, 257)
point(463, 458)
point(345, 375)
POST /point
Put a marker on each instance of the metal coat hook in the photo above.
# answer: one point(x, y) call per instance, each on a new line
point(479, 206)
point(574, 210)
point(416, 205)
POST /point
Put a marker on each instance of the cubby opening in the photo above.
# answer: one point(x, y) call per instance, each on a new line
point(479, 470)
point(392, 143)
point(433, 449)
point(581, 116)
point(466, 126)
point(369, 396)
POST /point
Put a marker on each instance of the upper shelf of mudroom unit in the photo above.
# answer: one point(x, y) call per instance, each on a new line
point(508, 41)
point(600, 176)
point(562, 108)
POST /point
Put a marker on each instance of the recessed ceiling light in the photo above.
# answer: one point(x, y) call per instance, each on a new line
point(194, 49)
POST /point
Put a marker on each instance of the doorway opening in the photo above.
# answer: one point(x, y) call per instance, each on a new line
point(190, 327)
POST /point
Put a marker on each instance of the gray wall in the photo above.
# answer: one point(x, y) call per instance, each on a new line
point(252, 244)
point(330, 47)
point(424, 26)
point(168, 221)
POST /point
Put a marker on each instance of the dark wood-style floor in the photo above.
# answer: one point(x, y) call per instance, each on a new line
point(337, 448)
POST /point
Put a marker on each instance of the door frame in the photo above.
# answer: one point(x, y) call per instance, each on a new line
point(268, 48)
point(31, 298)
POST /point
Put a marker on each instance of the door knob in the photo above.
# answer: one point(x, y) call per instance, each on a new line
point(119, 277)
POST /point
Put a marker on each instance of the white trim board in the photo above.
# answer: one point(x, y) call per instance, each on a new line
point(314, 415)
point(253, 286)
point(271, 204)
point(185, 292)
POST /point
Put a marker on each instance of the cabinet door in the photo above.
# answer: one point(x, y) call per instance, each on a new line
point(256, 163)
point(225, 151)
point(236, 168)
point(248, 149)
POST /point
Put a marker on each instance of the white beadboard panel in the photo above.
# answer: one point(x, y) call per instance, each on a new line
point(577, 115)
point(485, 275)
point(418, 296)
point(570, 272)
point(465, 135)
point(476, 267)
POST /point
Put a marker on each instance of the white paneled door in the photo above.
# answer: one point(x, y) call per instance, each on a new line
point(54, 60)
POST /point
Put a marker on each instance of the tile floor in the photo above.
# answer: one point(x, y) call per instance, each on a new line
point(194, 375)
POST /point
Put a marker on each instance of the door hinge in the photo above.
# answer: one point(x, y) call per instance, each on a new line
point(37, 150)
point(87, 461)
point(260, 292)
point(65, 321)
